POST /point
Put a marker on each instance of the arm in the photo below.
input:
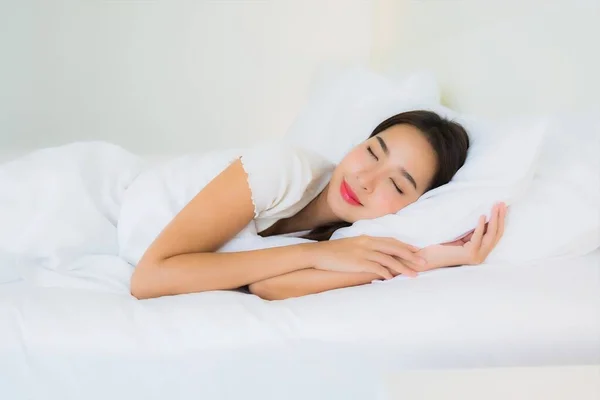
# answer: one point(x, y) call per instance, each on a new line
point(471, 249)
point(182, 259)
point(308, 281)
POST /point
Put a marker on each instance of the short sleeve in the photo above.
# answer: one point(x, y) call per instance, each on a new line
point(280, 174)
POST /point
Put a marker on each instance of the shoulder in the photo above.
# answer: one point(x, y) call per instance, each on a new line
point(283, 159)
point(279, 171)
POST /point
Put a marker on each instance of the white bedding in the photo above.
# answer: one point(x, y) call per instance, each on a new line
point(70, 330)
point(87, 338)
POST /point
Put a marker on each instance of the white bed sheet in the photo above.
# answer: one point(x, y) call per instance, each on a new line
point(83, 336)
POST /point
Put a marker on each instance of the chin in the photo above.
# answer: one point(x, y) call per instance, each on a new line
point(346, 214)
point(340, 209)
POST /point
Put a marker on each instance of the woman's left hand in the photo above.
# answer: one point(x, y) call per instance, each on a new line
point(471, 249)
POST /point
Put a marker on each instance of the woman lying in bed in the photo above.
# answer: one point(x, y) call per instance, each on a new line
point(285, 190)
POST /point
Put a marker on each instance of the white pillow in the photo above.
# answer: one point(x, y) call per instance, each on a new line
point(555, 201)
point(499, 166)
point(344, 110)
point(560, 214)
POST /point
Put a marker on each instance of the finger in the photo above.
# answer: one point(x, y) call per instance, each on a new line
point(393, 264)
point(490, 236)
point(390, 263)
point(378, 269)
point(501, 223)
point(415, 267)
point(458, 242)
point(399, 244)
point(392, 272)
point(393, 247)
point(478, 233)
point(412, 248)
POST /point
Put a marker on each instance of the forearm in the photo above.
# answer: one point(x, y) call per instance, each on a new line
point(199, 272)
point(308, 281)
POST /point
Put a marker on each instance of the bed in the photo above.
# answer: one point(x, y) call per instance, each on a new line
point(80, 338)
point(80, 334)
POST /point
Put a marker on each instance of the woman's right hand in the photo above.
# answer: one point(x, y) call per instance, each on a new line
point(378, 255)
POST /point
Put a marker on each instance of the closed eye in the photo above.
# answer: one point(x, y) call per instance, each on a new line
point(396, 186)
point(372, 153)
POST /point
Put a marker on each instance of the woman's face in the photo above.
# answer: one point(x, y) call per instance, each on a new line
point(382, 175)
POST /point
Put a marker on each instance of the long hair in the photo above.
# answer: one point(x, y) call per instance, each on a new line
point(448, 139)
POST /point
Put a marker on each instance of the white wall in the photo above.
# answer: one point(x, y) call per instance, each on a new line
point(498, 58)
point(174, 75)
point(170, 75)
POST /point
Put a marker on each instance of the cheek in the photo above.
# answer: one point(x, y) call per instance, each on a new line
point(386, 201)
point(354, 161)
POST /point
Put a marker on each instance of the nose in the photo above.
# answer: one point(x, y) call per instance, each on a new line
point(366, 180)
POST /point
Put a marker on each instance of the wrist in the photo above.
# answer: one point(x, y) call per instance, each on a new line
point(310, 253)
point(440, 256)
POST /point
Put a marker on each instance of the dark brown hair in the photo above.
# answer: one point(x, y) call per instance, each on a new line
point(448, 139)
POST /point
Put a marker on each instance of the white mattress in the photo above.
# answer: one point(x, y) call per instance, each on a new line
point(83, 336)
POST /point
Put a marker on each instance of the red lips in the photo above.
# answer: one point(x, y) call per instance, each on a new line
point(348, 195)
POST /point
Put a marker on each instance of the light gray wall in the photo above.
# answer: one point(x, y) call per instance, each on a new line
point(167, 75)
point(497, 58)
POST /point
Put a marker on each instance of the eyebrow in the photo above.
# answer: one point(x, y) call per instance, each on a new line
point(403, 171)
point(383, 145)
point(409, 177)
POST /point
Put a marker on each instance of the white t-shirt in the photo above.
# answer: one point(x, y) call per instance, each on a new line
point(282, 178)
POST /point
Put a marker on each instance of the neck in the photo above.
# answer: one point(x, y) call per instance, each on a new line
point(317, 212)
point(314, 214)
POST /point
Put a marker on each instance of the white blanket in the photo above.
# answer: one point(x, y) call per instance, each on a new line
point(62, 207)
point(60, 204)
point(60, 338)
point(67, 343)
